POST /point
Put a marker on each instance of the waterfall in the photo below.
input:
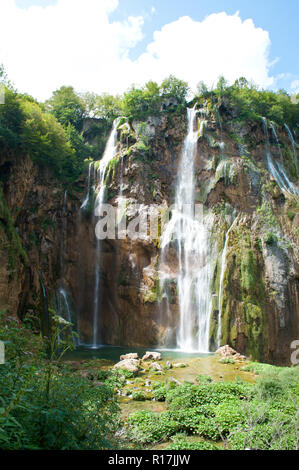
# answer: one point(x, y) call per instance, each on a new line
point(293, 145)
point(222, 273)
point(63, 296)
point(86, 200)
point(45, 322)
point(191, 234)
point(109, 154)
point(288, 185)
point(276, 169)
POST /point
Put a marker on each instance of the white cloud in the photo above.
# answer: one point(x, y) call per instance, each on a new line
point(74, 42)
point(295, 86)
point(219, 45)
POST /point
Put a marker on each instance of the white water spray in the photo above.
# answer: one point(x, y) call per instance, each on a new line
point(191, 234)
point(293, 145)
point(276, 169)
point(222, 273)
point(109, 154)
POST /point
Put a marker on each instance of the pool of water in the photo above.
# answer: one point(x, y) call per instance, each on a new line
point(113, 353)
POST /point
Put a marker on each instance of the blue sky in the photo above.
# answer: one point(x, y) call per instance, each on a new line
point(279, 18)
point(114, 51)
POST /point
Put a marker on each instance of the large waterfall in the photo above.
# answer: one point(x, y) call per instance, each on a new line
point(109, 154)
point(189, 230)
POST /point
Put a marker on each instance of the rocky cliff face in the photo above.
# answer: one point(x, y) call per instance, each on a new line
point(260, 285)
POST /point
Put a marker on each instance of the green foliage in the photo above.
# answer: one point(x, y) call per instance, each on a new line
point(42, 406)
point(147, 426)
point(271, 238)
point(26, 128)
point(103, 106)
point(248, 102)
point(16, 252)
point(203, 378)
point(139, 103)
point(181, 442)
point(139, 396)
point(242, 415)
point(160, 391)
point(67, 107)
point(173, 87)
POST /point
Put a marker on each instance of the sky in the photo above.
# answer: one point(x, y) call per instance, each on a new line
point(108, 45)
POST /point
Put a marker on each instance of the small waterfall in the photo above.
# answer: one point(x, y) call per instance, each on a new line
point(191, 234)
point(63, 297)
point(288, 185)
point(276, 169)
point(222, 273)
point(45, 327)
point(87, 198)
point(110, 152)
point(293, 145)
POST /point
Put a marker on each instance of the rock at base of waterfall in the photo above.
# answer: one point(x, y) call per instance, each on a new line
point(132, 365)
point(129, 356)
point(152, 356)
point(179, 365)
point(156, 367)
point(228, 352)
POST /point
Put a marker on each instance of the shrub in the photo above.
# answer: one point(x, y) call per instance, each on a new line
point(181, 442)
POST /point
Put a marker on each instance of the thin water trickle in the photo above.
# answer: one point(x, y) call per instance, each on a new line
point(222, 273)
point(293, 145)
point(86, 200)
point(276, 169)
point(64, 297)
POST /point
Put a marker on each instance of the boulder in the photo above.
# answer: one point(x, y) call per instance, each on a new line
point(179, 365)
point(129, 356)
point(132, 365)
point(152, 356)
point(156, 366)
point(228, 352)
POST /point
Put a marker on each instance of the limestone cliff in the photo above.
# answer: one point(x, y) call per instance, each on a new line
point(260, 297)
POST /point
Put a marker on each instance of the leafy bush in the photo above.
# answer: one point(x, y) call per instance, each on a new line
point(181, 442)
point(139, 396)
point(147, 426)
point(42, 407)
point(160, 391)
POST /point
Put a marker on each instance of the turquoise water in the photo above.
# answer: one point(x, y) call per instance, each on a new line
point(113, 353)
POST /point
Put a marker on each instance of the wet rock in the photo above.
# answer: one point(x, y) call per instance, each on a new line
point(129, 356)
point(152, 356)
point(179, 365)
point(226, 352)
point(132, 365)
point(157, 367)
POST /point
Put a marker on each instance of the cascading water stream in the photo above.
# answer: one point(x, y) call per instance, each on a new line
point(293, 145)
point(275, 168)
point(86, 200)
point(222, 273)
point(191, 234)
point(110, 152)
point(288, 185)
point(64, 297)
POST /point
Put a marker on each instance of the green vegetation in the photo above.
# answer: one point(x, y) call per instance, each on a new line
point(139, 103)
point(43, 405)
point(245, 101)
point(236, 415)
point(16, 252)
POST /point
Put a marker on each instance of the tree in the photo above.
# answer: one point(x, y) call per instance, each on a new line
point(175, 88)
point(67, 107)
